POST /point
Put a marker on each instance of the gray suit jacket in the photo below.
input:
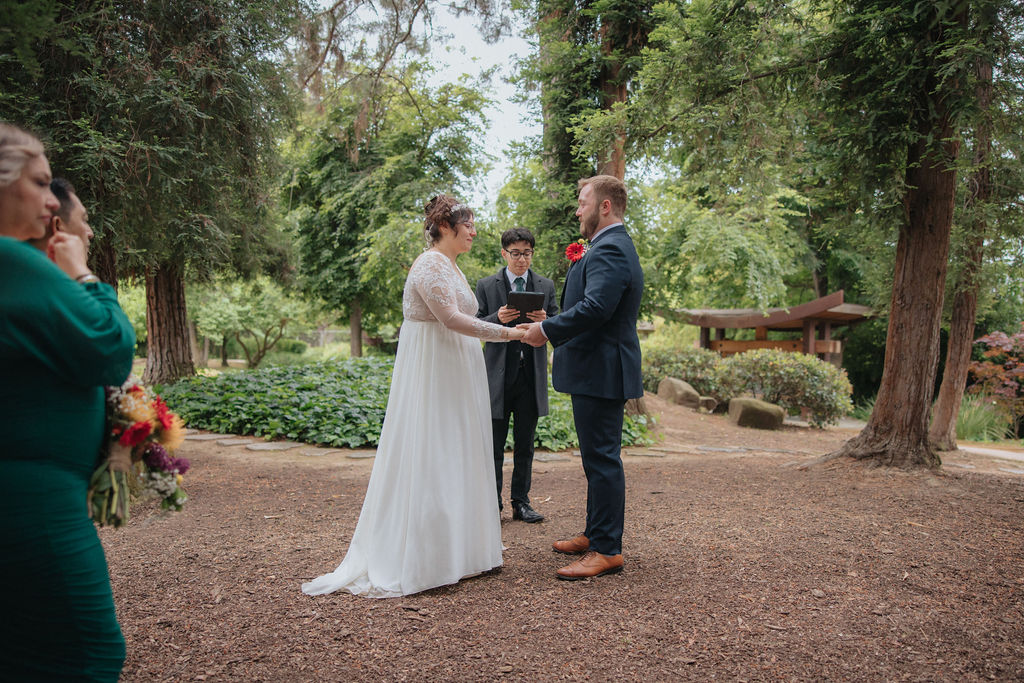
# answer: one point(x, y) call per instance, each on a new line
point(492, 294)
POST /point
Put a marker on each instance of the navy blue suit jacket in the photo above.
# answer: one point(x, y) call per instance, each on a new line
point(597, 351)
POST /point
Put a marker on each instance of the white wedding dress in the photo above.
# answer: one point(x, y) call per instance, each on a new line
point(430, 516)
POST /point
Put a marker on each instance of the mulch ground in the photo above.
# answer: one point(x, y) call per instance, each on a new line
point(739, 566)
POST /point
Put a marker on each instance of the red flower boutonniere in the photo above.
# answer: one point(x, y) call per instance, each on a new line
point(575, 251)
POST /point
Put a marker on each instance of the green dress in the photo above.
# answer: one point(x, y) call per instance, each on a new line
point(60, 343)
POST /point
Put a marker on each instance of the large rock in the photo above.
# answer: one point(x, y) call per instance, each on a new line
point(679, 392)
point(708, 403)
point(751, 412)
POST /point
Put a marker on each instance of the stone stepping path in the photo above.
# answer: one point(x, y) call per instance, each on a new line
point(645, 452)
point(546, 456)
point(234, 442)
point(317, 452)
point(206, 437)
point(274, 446)
point(361, 454)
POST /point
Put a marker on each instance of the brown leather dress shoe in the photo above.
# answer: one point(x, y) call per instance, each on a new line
point(574, 546)
point(591, 564)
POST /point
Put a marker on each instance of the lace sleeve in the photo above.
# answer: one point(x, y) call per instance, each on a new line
point(437, 284)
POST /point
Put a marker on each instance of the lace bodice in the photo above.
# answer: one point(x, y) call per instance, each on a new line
point(437, 291)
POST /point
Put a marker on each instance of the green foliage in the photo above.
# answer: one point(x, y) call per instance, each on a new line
point(863, 357)
point(981, 419)
point(337, 403)
point(292, 346)
point(256, 313)
point(132, 299)
point(791, 380)
point(362, 176)
point(696, 366)
point(164, 115)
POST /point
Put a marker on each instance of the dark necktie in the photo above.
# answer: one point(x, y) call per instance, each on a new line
point(519, 282)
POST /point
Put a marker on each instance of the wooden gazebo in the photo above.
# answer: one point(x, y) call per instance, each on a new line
point(815, 319)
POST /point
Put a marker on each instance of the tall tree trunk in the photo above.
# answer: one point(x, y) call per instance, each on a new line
point(897, 431)
point(103, 262)
point(355, 329)
point(965, 301)
point(224, 352)
point(169, 355)
point(613, 91)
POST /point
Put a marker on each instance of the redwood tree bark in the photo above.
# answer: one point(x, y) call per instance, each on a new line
point(965, 301)
point(897, 431)
point(103, 262)
point(169, 356)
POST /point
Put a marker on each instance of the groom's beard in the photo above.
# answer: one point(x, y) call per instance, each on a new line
point(589, 223)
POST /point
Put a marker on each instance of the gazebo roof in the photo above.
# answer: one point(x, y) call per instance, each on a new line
point(830, 308)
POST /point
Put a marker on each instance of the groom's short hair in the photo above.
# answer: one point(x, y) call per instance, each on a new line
point(607, 187)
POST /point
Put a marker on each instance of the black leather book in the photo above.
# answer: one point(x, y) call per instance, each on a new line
point(525, 302)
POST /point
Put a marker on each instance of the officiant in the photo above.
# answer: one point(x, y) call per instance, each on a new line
point(517, 374)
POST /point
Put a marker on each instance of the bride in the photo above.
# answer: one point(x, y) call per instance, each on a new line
point(429, 518)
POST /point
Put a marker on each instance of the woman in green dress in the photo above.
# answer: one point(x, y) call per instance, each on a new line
point(62, 338)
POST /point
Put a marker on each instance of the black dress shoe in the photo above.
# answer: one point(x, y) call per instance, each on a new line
point(526, 513)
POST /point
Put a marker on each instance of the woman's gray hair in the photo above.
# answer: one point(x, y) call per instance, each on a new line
point(17, 146)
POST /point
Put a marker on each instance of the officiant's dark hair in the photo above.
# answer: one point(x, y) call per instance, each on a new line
point(513, 235)
point(443, 209)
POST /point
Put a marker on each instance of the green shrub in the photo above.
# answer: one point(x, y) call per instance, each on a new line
point(791, 380)
point(337, 403)
point(980, 419)
point(693, 365)
point(291, 346)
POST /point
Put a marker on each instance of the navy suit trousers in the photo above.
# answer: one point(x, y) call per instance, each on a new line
point(599, 428)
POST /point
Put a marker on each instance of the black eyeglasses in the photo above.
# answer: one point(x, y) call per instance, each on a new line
point(515, 253)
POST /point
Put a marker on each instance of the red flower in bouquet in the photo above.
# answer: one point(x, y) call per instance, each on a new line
point(136, 434)
point(163, 414)
point(575, 251)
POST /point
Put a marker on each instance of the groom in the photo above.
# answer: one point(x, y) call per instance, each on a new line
point(597, 361)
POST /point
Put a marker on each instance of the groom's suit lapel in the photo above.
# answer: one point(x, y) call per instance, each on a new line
point(573, 268)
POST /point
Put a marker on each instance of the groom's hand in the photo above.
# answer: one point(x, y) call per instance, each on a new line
point(534, 334)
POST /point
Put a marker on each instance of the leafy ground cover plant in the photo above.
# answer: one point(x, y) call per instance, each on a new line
point(790, 380)
point(336, 403)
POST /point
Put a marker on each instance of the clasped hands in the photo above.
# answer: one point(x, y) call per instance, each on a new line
point(531, 332)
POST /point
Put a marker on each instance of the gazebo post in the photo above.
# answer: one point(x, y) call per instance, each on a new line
point(825, 334)
point(809, 325)
point(705, 337)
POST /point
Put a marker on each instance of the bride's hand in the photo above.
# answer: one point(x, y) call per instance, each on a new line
point(516, 333)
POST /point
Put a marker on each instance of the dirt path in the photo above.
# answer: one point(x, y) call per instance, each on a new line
point(739, 566)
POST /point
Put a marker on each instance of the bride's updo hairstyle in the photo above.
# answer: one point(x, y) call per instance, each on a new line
point(443, 209)
point(16, 148)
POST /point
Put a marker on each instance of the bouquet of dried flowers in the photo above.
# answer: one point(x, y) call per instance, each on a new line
point(142, 432)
